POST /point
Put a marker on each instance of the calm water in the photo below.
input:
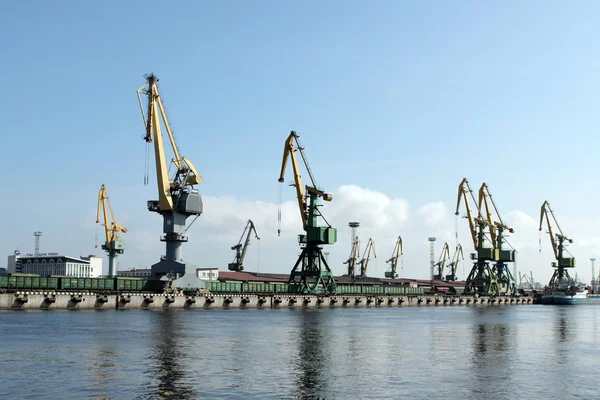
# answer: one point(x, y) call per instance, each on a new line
point(531, 352)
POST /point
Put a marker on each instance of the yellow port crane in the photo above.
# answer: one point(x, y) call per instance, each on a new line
point(393, 261)
point(480, 280)
point(453, 266)
point(240, 250)
point(364, 262)
point(441, 264)
point(177, 197)
point(114, 243)
point(497, 229)
point(311, 273)
point(561, 276)
point(353, 258)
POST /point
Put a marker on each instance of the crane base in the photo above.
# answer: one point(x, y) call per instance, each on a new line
point(181, 275)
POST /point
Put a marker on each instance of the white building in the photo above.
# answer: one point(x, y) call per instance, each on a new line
point(46, 264)
point(136, 273)
point(207, 274)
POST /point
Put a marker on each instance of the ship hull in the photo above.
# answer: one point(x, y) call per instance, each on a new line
point(569, 300)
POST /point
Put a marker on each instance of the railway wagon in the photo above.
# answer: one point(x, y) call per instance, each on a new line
point(16, 281)
point(230, 287)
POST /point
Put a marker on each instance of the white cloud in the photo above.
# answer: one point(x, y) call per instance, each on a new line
point(381, 217)
point(433, 213)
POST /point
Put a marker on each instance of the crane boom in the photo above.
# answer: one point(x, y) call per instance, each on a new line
point(557, 239)
point(364, 262)
point(238, 262)
point(186, 174)
point(354, 255)
point(493, 224)
point(464, 192)
point(453, 266)
point(112, 230)
point(289, 151)
point(442, 262)
point(393, 261)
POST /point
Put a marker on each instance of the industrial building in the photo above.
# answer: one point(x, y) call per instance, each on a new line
point(207, 274)
point(135, 273)
point(46, 264)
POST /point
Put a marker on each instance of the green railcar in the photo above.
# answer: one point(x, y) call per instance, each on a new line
point(3, 282)
point(52, 283)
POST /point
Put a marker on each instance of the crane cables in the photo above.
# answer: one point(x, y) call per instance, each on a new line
point(279, 209)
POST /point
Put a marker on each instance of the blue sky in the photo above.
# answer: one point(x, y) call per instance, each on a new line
point(401, 98)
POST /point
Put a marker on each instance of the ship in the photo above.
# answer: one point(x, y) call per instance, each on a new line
point(571, 295)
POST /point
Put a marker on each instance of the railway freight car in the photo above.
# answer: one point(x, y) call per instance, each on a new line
point(14, 282)
point(218, 287)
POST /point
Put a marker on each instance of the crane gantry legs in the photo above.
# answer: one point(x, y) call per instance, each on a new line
point(481, 280)
point(311, 273)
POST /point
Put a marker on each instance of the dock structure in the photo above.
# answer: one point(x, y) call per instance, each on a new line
point(149, 301)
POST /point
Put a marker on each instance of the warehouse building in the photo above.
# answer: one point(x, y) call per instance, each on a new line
point(46, 264)
point(135, 273)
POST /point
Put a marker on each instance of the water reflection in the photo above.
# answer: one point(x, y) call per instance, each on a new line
point(165, 359)
point(491, 358)
point(312, 356)
point(562, 329)
point(103, 366)
point(563, 334)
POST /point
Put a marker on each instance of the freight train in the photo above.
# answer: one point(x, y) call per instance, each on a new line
point(14, 282)
point(218, 287)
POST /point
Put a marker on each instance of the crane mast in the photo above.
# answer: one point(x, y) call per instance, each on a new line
point(114, 243)
point(481, 279)
point(364, 262)
point(353, 258)
point(497, 229)
point(453, 266)
point(311, 273)
point(240, 250)
point(439, 266)
point(177, 197)
point(393, 261)
point(558, 240)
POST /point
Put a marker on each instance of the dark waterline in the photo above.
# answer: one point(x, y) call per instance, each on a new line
point(535, 352)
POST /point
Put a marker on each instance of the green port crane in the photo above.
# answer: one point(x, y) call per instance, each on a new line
point(497, 229)
point(353, 258)
point(114, 243)
point(561, 278)
point(240, 250)
point(311, 273)
point(393, 261)
point(364, 262)
point(481, 279)
point(453, 266)
point(439, 266)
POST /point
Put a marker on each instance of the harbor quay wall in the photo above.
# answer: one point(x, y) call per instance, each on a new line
point(86, 300)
